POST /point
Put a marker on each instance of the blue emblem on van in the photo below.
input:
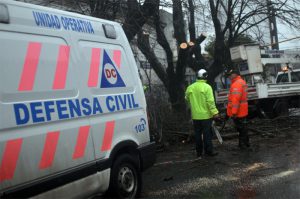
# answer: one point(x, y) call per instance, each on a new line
point(110, 75)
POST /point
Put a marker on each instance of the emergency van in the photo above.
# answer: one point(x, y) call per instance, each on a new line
point(73, 120)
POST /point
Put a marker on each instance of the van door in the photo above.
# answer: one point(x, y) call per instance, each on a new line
point(112, 83)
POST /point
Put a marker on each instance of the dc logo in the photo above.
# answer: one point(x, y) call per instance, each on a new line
point(110, 73)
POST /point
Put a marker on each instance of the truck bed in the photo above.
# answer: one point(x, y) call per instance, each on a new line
point(261, 91)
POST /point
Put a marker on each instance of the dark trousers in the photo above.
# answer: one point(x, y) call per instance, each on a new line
point(203, 127)
point(241, 126)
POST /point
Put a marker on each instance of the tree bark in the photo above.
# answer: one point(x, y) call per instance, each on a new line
point(181, 64)
point(162, 40)
point(192, 28)
point(144, 46)
point(178, 22)
point(217, 66)
point(195, 59)
point(137, 16)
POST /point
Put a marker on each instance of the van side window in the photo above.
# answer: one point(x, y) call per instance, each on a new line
point(35, 67)
point(107, 68)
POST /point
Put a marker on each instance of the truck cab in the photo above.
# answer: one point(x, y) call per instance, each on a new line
point(273, 86)
point(288, 76)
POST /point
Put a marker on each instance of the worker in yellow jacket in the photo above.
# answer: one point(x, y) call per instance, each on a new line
point(200, 97)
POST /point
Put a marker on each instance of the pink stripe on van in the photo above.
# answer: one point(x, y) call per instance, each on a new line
point(30, 66)
point(117, 58)
point(49, 149)
point(10, 158)
point(82, 139)
point(61, 67)
point(94, 68)
point(108, 135)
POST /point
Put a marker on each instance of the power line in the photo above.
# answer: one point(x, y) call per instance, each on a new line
point(298, 37)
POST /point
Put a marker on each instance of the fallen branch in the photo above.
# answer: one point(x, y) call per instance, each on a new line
point(178, 132)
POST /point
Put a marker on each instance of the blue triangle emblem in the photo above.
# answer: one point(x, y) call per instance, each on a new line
point(110, 75)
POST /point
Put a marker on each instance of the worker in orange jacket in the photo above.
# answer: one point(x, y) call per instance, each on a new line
point(237, 107)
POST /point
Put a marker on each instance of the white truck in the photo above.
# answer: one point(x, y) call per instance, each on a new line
point(273, 84)
point(73, 117)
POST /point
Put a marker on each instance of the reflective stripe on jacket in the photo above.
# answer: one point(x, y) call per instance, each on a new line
point(237, 98)
point(201, 99)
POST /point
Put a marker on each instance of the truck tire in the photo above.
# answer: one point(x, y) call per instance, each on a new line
point(281, 108)
point(125, 179)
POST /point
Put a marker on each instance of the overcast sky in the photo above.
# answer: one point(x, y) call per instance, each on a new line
point(284, 32)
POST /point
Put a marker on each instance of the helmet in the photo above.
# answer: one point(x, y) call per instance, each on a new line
point(230, 71)
point(202, 74)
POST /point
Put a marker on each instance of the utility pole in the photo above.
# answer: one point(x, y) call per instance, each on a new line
point(272, 26)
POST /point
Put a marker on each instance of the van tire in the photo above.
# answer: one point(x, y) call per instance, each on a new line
point(125, 179)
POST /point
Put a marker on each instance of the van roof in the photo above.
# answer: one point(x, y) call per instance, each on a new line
point(55, 11)
point(50, 21)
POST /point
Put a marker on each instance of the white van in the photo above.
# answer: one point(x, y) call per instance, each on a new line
point(73, 119)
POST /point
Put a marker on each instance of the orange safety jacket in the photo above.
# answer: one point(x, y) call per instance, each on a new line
point(237, 98)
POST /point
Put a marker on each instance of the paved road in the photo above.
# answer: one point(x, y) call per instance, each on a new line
point(271, 170)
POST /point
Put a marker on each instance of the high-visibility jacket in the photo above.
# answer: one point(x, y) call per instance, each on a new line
point(237, 98)
point(201, 99)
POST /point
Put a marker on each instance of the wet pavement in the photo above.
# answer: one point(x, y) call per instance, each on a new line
point(270, 170)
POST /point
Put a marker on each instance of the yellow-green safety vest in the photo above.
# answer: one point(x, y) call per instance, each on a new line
point(201, 99)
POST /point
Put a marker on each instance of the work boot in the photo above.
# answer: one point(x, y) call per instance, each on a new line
point(199, 154)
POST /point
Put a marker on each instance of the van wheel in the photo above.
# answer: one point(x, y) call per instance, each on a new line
point(125, 181)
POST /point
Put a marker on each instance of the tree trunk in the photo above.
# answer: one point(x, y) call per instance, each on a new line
point(217, 66)
point(192, 28)
point(178, 22)
point(195, 59)
point(137, 16)
point(144, 46)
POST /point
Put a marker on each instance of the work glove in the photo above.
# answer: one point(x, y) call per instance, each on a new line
point(216, 116)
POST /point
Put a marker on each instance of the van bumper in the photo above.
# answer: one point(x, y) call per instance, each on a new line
point(147, 155)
